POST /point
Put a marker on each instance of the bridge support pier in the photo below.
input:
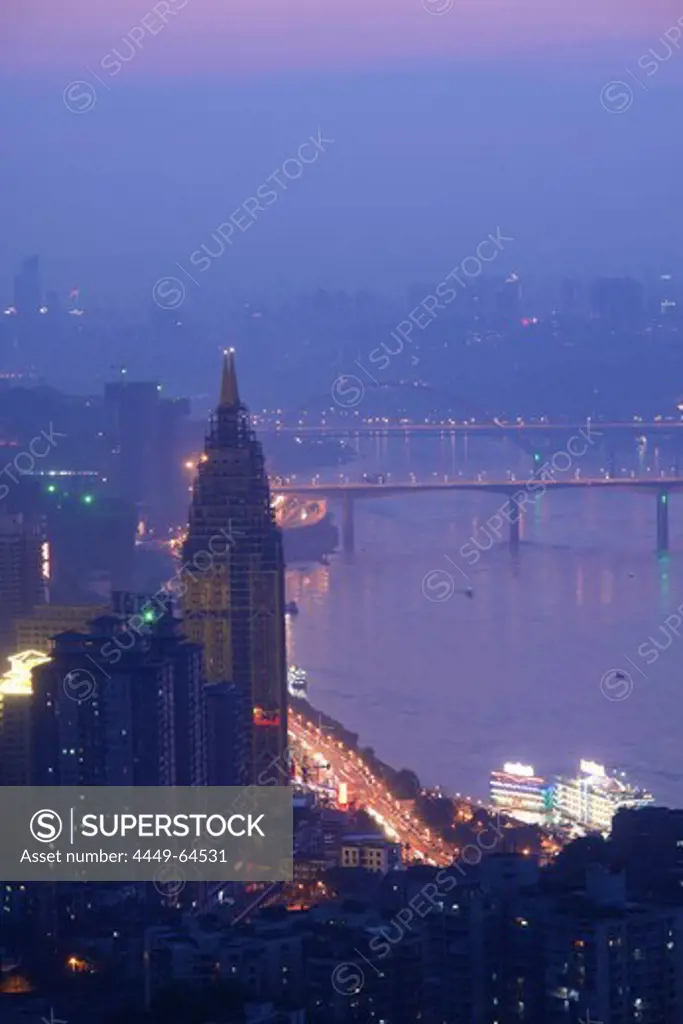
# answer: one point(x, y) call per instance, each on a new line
point(514, 530)
point(348, 525)
point(663, 521)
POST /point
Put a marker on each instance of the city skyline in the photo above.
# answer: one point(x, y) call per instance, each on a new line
point(343, 689)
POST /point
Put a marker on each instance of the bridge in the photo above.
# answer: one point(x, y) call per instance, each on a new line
point(518, 494)
point(370, 427)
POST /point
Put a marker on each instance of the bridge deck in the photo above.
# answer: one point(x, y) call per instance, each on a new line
point(533, 486)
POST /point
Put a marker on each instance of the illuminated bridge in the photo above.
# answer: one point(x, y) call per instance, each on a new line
point(491, 428)
point(517, 495)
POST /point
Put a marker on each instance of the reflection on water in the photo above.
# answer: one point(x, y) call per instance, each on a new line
point(454, 687)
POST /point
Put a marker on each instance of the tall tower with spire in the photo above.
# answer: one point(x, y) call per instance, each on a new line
point(233, 602)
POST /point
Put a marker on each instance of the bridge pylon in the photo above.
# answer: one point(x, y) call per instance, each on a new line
point(663, 521)
point(348, 525)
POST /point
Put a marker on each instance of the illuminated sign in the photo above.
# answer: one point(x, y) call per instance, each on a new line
point(18, 679)
point(45, 558)
point(268, 718)
point(592, 768)
point(513, 768)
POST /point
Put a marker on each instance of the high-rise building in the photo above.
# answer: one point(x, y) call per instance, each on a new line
point(234, 588)
point(618, 302)
point(15, 718)
point(37, 630)
point(605, 957)
point(572, 297)
point(28, 289)
point(509, 299)
point(228, 734)
point(131, 409)
point(648, 842)
point(145, 449)
point(77, 515)
point(21, 575)
point(169, 647)
point(121, 705)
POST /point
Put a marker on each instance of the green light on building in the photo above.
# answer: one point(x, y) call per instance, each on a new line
point(88, 499)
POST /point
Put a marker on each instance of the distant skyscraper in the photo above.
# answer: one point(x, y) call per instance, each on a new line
point(145, 444)
point(572, 297)
point(132, 409)
point(509, 298)
point(77, 516)
point(618, 301)
point(234, 589)
point(668, 296)
point(28, 289)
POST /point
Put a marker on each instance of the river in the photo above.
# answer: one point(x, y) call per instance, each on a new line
point(454, 685)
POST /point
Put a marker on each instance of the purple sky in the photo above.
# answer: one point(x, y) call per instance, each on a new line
point(267, 35)
point(445, 127)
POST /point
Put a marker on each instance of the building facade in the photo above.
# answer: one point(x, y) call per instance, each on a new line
point(21, 575)
point(119, 707)
point(233, 584)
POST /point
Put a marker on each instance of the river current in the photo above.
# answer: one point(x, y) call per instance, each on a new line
point(521, 668)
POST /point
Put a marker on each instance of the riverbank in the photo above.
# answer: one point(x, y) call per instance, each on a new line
point(455, 820)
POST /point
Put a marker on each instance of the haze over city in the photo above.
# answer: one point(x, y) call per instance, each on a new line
point(445, 125)
point(341, 532)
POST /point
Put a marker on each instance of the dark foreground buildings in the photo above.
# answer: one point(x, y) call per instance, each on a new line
point(502, 941)
point(119, 706)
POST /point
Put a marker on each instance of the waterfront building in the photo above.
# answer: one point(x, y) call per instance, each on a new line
point(233, 585)
point(518, 791)
point(297, 682)
point(593, 798)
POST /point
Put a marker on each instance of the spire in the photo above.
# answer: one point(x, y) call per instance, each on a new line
point(229, 393)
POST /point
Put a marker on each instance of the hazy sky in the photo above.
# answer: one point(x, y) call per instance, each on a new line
point(267, 35)
point(449, 118)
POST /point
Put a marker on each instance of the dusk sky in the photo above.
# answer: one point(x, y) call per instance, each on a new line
point(449, 118)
